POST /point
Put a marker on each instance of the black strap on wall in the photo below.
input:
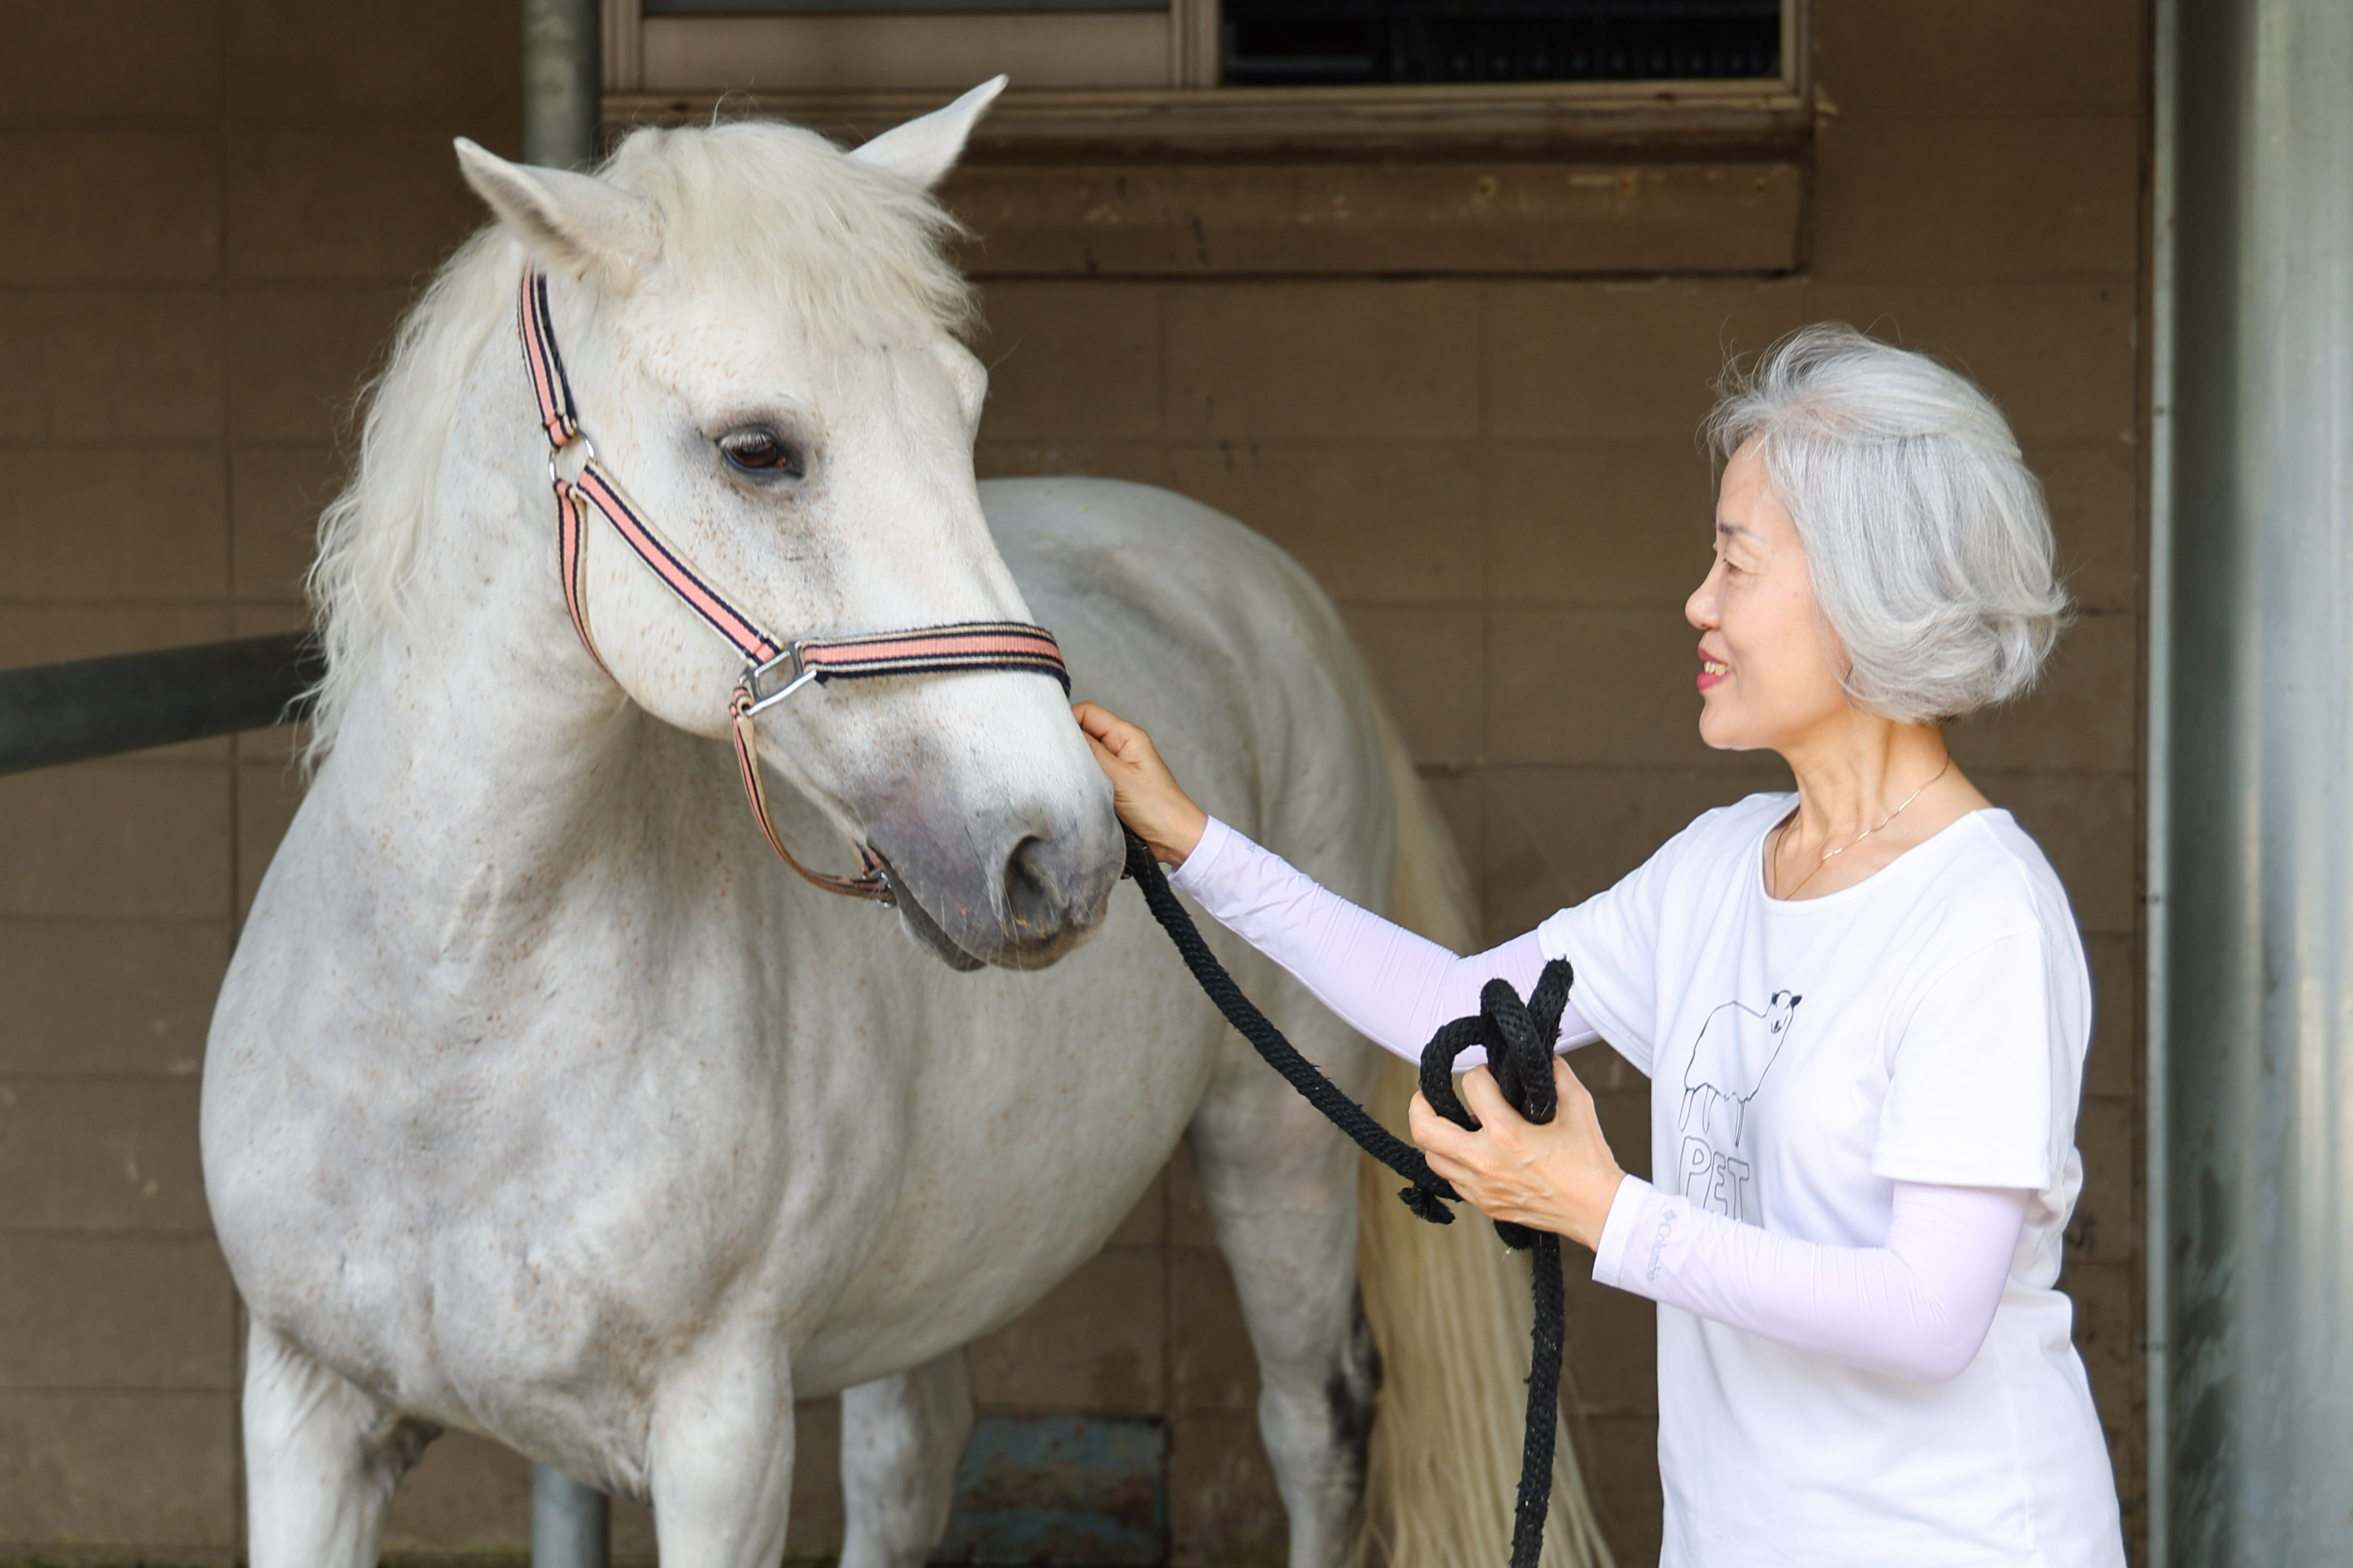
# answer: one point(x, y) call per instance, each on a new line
point(52, 714)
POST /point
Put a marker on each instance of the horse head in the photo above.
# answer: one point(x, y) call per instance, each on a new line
point(760, 331)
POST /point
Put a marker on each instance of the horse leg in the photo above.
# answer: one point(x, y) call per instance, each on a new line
point(322, 1460)
point(900, 1439)
point(720, 1457)
point(1281, 1187)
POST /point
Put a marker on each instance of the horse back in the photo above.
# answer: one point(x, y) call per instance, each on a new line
point(1181, 619)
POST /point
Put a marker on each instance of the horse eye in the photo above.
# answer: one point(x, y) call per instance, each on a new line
point(761, 452)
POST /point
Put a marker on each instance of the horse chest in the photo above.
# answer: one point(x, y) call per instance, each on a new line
point(492, 1178)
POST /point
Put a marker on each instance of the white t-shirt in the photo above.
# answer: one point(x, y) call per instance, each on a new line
point(1926, 1025)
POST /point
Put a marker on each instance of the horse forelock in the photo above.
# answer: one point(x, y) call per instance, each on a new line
point(781, 219)
point(771, 214)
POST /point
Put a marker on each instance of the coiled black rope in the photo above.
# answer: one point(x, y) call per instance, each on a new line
point(1519, 1037)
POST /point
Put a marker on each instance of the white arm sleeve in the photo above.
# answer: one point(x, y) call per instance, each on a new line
point(1389, 985)
point(1918, 1307)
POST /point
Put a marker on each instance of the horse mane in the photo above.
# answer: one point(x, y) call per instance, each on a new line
point(782, 218)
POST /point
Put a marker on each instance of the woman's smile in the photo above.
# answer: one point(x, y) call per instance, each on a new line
point(1712, 672)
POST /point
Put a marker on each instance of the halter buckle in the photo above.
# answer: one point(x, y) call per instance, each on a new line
point(798, 674)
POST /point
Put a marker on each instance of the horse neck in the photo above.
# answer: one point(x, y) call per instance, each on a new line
point(483, 735)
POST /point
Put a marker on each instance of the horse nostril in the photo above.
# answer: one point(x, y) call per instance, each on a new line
point(1034, 907)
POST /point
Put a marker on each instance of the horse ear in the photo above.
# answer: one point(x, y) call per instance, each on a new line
point(576, 222)
point(924, 149)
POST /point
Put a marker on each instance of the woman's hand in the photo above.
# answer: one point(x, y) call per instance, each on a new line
point(1144, 792)
point(1559, 1177)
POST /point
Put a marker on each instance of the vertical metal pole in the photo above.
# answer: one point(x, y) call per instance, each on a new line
point(562, 84)
point(570, 1523)
point(2258, 987)
point(2156, 919)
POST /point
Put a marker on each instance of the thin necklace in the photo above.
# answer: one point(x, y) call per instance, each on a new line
point(1831, 854)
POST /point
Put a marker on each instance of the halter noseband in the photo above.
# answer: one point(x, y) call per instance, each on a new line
point(774, 668)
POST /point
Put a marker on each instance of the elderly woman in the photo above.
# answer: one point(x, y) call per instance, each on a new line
point(1863, 1009)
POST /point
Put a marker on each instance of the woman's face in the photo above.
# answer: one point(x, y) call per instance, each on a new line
point(1767, 679)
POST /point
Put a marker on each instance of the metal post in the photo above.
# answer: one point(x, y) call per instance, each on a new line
point(563, 86)
point(2257, 992)
point(2157, 1142)
point(570, 1523)
point(563, 82)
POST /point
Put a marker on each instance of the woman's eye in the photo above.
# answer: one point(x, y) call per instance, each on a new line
point(762, 452)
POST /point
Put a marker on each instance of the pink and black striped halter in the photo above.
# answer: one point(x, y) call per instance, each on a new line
point(774, 668)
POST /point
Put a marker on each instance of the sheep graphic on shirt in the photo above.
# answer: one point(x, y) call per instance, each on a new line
point(1737, 1047)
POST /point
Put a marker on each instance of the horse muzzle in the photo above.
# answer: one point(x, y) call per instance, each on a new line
point(1017, 895)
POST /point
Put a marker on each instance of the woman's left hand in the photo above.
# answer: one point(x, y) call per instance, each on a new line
point(1559, 1177)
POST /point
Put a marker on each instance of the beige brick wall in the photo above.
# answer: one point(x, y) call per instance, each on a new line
point(1499, 483)
point(210, 214)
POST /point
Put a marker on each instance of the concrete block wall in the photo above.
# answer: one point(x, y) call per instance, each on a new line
point(211, 213)
point(215, 210)
point(1499, 482)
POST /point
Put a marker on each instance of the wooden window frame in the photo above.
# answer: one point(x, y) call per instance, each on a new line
point(652, 66)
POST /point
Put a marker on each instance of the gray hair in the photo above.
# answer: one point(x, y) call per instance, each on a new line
point(1927, 537)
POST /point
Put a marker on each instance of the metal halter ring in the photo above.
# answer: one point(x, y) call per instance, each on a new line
point(799, 672)
point(554, 481)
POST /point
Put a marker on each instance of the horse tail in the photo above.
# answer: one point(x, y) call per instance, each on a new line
point(1448, 1307)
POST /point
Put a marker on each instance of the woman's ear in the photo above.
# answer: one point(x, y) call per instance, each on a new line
point(570, 224)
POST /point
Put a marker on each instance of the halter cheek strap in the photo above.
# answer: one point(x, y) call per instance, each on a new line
point(774, 668)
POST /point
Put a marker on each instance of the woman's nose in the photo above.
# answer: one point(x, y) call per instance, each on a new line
point(1700, 608)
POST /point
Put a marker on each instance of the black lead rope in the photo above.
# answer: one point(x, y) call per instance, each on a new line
point(1519, 1037)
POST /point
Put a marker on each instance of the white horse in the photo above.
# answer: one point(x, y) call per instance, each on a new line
point(543, 1103)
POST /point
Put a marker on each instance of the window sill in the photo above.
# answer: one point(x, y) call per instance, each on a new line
point(1745, 122)
point(1556, 180)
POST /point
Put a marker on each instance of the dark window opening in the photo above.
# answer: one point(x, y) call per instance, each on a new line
point(1339, 43)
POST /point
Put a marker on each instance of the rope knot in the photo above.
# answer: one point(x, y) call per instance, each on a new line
point(1519, 1037)
point(1426, 1204)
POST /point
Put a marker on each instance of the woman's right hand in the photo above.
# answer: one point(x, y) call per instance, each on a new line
point(1143, 791)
